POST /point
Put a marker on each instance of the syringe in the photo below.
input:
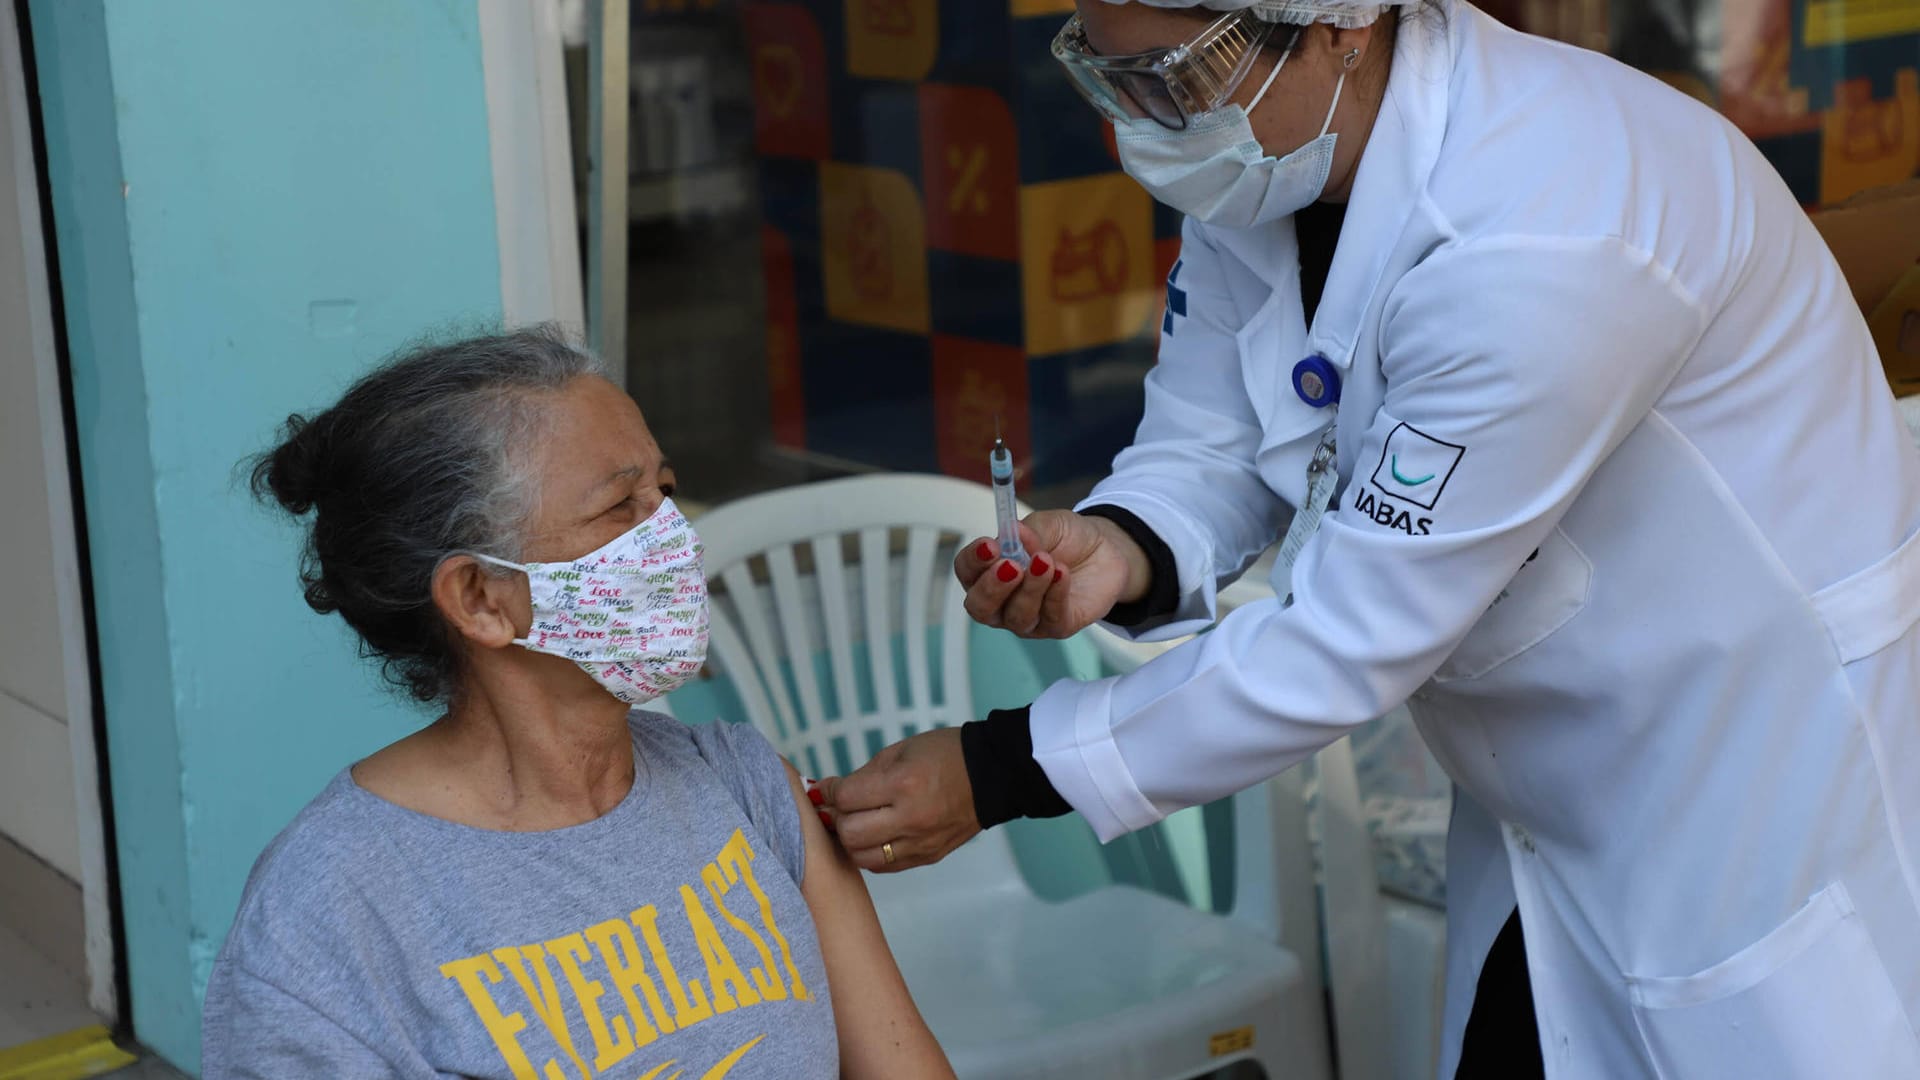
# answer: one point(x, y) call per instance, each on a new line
point(1005, 509)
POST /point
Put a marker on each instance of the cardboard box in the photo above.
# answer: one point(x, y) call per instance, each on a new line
point(1876, 237)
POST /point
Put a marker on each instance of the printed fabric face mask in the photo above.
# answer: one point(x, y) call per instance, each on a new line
point(1216, 171)
point(632, 614)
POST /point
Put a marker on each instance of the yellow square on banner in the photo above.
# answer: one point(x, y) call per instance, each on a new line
point(1867, 143)
point(873, 248)
point(892, 39)
point(1026, 9)
point(1840, 22)
point(1086, 262)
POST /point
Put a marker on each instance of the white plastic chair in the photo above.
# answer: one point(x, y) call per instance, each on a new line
point(1119, 983)
point(1384, 957)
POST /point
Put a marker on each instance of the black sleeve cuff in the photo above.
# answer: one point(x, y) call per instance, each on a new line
point(1007, 782)
point(1163, 591)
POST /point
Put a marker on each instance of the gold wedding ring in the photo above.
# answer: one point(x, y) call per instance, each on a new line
point(886, 853)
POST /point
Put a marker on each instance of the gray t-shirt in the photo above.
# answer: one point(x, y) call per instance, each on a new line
point(668, 937)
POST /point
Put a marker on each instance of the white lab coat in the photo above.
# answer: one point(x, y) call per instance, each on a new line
point(1628, 514)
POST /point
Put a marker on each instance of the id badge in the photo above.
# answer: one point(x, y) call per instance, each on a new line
point(1322, 478)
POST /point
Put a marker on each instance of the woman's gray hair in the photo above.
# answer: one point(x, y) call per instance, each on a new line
point(427, 457)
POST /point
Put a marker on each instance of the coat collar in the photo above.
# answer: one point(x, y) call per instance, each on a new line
point(1392, 177)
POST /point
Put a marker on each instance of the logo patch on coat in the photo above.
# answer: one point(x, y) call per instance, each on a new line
point(1176, 300)
point(1386, 513)
point(1415, 467)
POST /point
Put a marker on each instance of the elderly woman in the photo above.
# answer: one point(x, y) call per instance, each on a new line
point(544, 882)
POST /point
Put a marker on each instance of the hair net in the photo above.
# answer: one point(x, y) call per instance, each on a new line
point(1345, 14)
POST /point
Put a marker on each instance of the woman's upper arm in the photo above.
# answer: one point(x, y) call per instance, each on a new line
point(881, 1032)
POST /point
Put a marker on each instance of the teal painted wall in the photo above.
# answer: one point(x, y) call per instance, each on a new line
point(253, 202)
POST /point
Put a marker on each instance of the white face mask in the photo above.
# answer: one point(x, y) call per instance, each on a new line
point(1217, 172)
point(633, 614)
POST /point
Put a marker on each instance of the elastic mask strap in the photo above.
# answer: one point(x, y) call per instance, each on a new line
point(520, 641)
point(1275, 73)
point(499, 562)
point(1328, 122)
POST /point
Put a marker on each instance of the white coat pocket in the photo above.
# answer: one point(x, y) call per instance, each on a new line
point(1550, 588)
point(1810, 1000)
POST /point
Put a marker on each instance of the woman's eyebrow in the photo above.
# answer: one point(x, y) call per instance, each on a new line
point(619, 476)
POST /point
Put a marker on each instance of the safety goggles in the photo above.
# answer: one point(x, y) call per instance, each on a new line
point(1169, 86)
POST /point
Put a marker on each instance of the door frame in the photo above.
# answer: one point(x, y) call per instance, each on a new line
point(46, 342)
point(524, 71)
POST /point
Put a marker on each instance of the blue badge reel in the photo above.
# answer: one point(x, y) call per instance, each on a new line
point(1317, 381)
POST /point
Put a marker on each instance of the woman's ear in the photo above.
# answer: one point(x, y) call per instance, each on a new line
point(482, 607)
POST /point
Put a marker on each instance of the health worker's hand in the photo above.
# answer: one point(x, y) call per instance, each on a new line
point(909, 806)
point(1081, 567)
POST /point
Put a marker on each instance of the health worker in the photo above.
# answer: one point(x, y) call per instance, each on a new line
point(1573, 438)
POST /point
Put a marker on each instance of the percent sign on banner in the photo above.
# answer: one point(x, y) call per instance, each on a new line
point(970, 166)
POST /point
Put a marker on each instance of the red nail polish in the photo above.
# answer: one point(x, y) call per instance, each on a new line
point(825, 820)
point(1040, 568)
point(984, 552)
point(817, 798)
point(1057, 574)
point(1007, 572)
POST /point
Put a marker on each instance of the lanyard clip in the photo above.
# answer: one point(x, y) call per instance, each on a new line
point(1323, 455)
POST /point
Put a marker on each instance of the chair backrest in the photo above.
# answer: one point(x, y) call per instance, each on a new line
point(837, 617)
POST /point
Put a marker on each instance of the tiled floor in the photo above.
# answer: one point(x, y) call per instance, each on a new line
point(42, 960)
point(42, 956)
point(37, 998)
